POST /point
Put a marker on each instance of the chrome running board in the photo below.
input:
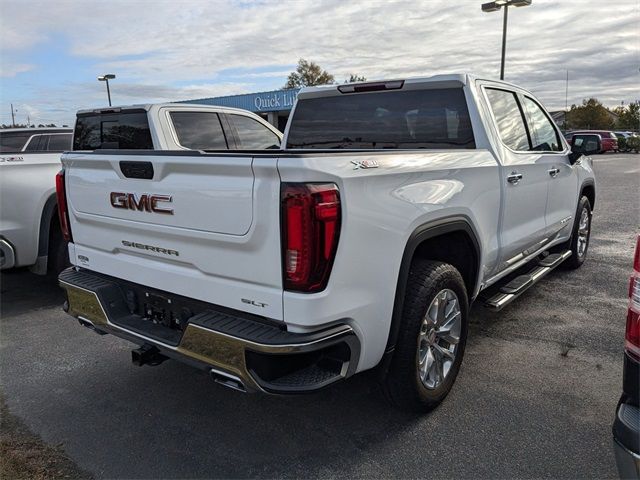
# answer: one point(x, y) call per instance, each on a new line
point(510, 291)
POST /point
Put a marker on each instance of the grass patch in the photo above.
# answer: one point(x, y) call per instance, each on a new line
point(23, 455)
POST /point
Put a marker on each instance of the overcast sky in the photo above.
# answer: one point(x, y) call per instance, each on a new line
point(52, 51)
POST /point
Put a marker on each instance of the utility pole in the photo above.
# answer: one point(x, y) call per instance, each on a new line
point(496, 6)
point(566, 102)
point(13, 118)
point(504, 40)
point(106, 78)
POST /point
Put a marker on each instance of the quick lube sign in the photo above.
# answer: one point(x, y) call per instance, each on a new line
point(273, 101)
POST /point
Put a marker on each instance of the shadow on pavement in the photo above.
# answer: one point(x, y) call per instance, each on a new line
point(22, 291)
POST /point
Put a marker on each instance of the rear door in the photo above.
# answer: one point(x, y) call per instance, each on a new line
point(562, 195)
point(524, 176)
point(205, 226)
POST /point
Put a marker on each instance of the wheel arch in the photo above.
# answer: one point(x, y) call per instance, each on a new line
point(588, 189)
point(49, 211)
point(457, 229)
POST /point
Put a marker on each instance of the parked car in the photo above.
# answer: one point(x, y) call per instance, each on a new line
point(626, 427)
point(627, 141)
point(13, 140)
point(362, 243)
point(609, 139)
point(29, 228)
point(633, 144)
point(30, 234)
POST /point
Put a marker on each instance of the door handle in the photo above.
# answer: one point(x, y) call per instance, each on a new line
point(514, 178)
point(554, 171)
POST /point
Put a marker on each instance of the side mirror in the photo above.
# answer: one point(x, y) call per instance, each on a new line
point(583, 144)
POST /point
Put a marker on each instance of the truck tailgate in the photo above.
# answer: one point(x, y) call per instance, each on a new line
point(205, 226)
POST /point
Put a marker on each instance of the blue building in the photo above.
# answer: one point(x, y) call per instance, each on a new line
point(273, 106)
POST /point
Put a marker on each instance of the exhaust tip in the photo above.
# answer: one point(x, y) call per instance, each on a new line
point(227, 380)
point(85, 323)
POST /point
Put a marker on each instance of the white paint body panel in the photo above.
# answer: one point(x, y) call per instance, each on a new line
point(227, 256)
point(25, 187)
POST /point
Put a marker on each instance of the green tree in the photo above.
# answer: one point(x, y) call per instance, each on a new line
point(354, 77)
point(590, 115)
point(308, 74)
point(628, 117)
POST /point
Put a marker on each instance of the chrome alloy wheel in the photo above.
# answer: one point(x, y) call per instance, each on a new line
point(583, 233)
point(438, 338)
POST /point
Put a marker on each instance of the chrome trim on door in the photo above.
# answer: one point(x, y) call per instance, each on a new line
point(515, 266)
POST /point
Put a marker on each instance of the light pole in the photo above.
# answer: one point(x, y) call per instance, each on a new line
point(106, 78)
point(494, 7)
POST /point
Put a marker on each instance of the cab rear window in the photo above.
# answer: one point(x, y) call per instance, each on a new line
point(436, 118)
point(125, 130)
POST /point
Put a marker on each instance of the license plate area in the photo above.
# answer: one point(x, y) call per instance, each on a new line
point(163, 310)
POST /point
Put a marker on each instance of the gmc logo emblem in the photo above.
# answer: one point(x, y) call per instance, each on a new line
point(147, 202)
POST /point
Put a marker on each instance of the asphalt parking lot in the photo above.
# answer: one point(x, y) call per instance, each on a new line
point(535, 397)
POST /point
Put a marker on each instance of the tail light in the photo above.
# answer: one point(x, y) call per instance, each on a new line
point(632, 334)
point(63, 211)
point(310, 231)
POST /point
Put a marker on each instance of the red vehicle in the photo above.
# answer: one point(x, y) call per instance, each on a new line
point(609, 139)
point(626, 427)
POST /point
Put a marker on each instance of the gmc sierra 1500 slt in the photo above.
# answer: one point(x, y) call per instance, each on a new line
point(362, 243)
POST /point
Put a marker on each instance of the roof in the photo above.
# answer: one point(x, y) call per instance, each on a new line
point(155, 106)
point(443, 81)
point(35, 130)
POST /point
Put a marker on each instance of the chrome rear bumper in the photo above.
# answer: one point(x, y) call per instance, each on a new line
point(258, 356)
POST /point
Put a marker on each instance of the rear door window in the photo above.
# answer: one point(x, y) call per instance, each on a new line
point(253, 135)
point(509, 119)
point(59, 142)
point(433, 118)
point(127, 129)
point(544, 136)
point(38, 143)
point(199, 130)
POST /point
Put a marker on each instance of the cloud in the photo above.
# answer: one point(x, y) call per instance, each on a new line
point(165, 93)
point(158, 46)
point(13, 69)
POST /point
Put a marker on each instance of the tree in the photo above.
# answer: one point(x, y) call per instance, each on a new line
point(590, 115)
point(354, 77)
point(308, 74)
point(628, 117)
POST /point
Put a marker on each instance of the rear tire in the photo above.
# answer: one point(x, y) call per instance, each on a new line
point(580, 235)
point(432, 337)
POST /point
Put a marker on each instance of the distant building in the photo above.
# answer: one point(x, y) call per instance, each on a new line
point(273, 106)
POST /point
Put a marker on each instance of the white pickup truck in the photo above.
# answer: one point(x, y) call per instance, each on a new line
point(362, 243)
point(30, 159)
point(29, 229)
